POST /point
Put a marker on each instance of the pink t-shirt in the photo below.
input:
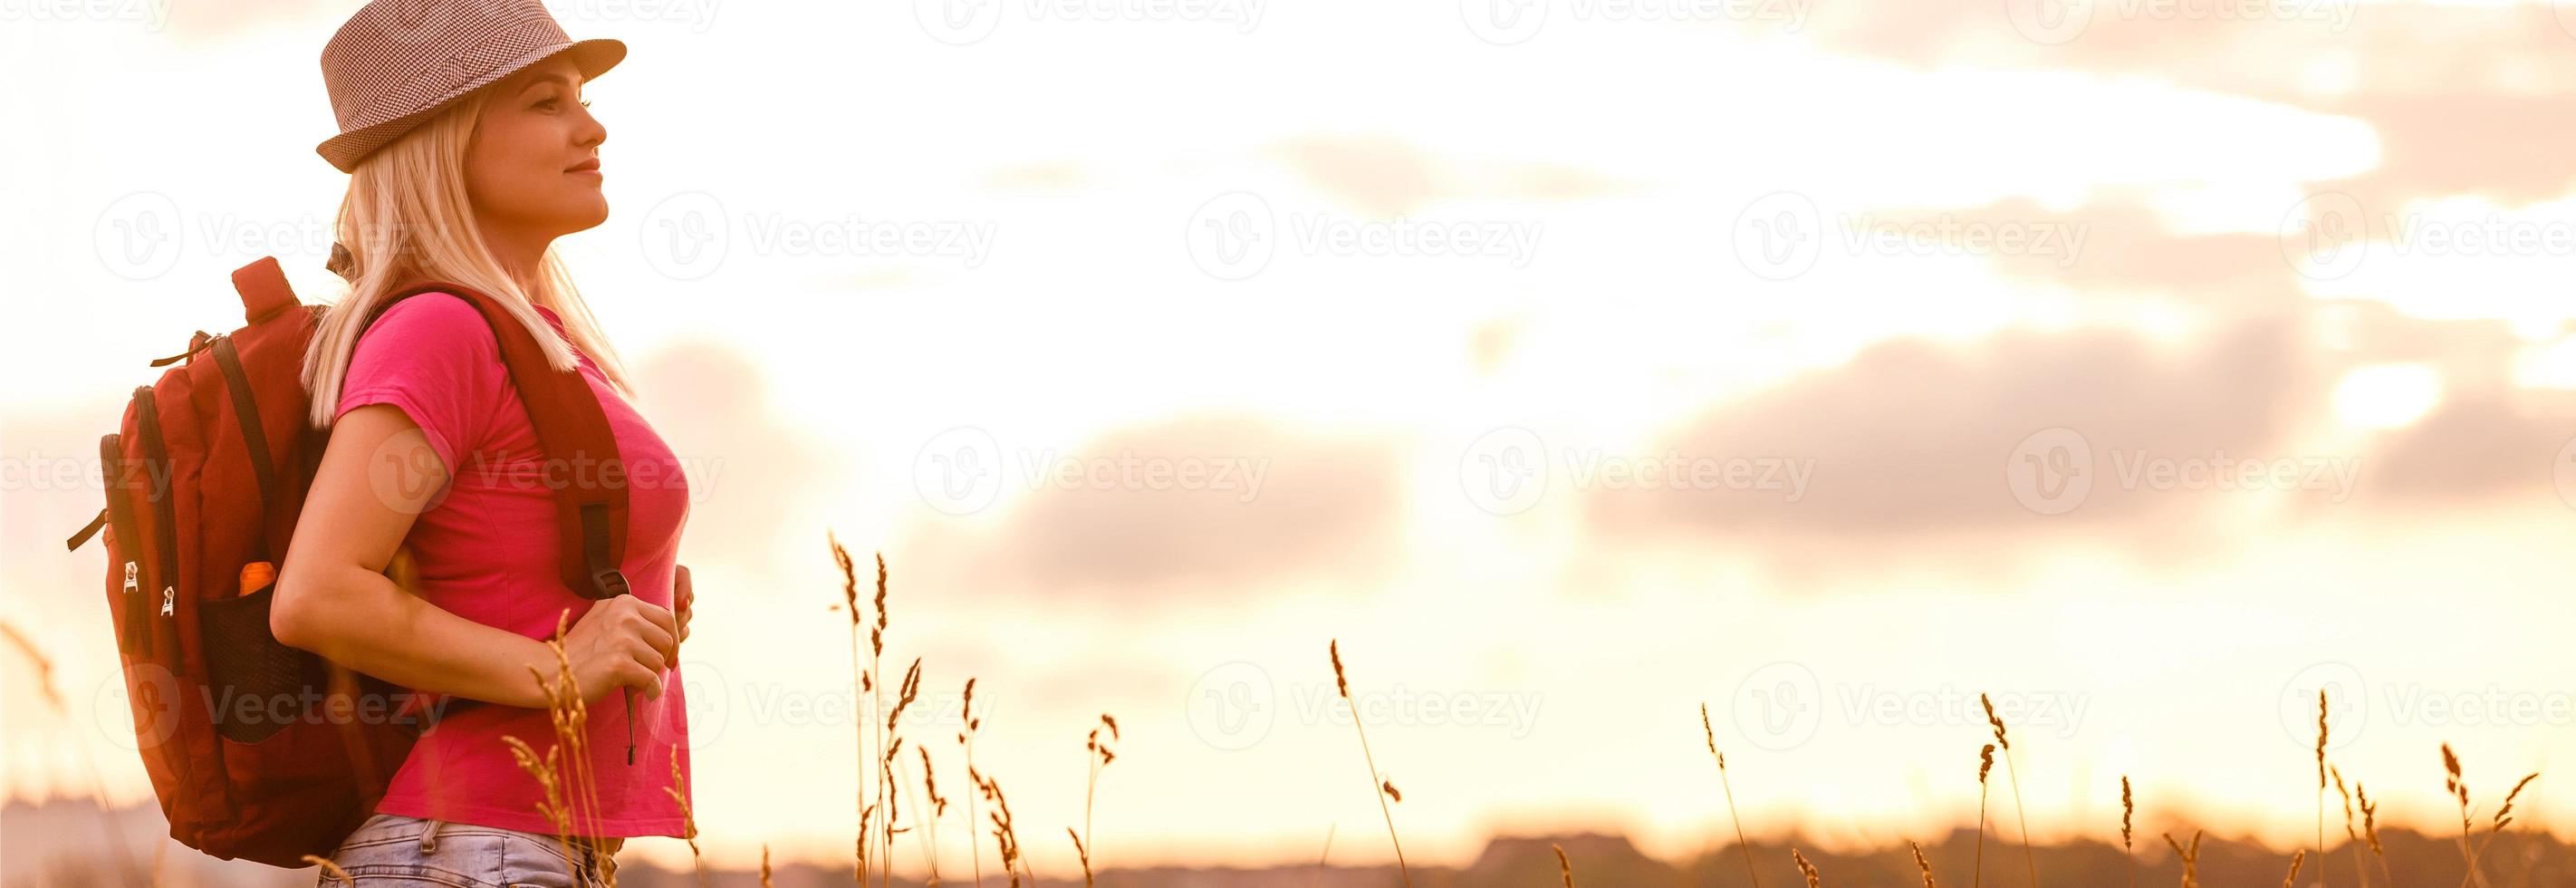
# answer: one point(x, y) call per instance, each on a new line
point(486, 549)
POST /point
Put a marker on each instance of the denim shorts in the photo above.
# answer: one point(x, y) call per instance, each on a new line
point(391, 849)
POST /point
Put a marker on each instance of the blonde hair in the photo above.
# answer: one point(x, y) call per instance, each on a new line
point(407, 219)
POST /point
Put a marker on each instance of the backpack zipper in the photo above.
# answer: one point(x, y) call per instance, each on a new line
point(165, 497)
point(136, 632)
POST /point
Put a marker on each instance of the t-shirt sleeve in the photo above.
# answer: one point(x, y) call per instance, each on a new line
point(433, 356)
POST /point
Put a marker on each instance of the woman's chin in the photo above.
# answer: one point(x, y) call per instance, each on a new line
point(586, 213)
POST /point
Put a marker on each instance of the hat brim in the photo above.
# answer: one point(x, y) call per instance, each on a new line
point(592, 57)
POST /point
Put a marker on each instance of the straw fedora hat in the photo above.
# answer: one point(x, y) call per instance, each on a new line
point(397, 62)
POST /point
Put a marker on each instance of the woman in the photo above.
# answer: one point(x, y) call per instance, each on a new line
point(469, 151)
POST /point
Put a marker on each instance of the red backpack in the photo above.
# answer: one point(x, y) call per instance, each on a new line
point(258, 750)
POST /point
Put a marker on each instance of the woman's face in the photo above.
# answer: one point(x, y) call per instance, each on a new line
point(532, 167)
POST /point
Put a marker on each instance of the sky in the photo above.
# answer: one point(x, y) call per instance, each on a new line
point(2148, 366)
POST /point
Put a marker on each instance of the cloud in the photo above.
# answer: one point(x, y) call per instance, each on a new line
point(2477, 449)
point(751, 472)
point(1274, 504)
point(1385, 177)
point(1911, 440)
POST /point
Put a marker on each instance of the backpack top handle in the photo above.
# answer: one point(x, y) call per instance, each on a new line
point(264, 291)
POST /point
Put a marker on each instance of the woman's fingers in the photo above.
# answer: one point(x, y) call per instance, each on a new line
point(645, 654)
point(682, 596)
point(654, 624)
point(636, 675)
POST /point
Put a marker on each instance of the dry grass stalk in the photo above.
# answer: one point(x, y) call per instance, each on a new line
point(2190, 858)
point(1921, 864)
point(2128, 810)
point(2370, 830)
point(331, 869)
point(1807, 869)
point(850, 600)
point(1099, 755)
point(1005, 837)
point(2020, 813)
point(2295, 860)
point(567, 795)
point(966, 740)
point(868, 685)
point(544, 769)
point(44, 667)
point(2351, 836)
point(1326, 854)
point(1383, 789)
point(1729, 787)
point(2458, 788)
point(1985, 766)
point(679, 792)
point(1080, 853)
point(2503, 818)
point(2321, 790)
point(1564, 867)
point(764, 865)
point(938, 809)
point(908, 691)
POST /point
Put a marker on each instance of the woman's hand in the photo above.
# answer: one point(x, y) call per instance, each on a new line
point(681, 597)
point(622, 642)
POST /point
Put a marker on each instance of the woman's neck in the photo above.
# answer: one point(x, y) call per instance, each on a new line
point(521, 254)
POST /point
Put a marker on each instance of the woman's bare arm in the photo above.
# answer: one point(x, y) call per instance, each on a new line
point(333, 599)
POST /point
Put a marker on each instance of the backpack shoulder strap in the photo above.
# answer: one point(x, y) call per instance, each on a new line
point(582, 464)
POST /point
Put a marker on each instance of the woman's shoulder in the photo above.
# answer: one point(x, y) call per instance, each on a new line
point(435, 325)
